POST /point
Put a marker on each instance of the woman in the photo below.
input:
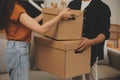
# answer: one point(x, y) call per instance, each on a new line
point(18, 26)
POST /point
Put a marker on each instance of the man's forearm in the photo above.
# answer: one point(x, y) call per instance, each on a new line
point(100, 38)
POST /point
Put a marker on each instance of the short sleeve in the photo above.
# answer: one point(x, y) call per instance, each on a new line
point(16, 12)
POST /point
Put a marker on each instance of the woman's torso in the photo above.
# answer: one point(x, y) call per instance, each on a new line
point(15, 30)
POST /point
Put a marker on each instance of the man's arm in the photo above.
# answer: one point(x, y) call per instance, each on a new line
point(85, 42)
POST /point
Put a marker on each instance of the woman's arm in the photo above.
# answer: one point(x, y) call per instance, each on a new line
point(33, 25)
point(39, 17)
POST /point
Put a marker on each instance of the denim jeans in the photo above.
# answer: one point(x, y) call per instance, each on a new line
point(17, 60)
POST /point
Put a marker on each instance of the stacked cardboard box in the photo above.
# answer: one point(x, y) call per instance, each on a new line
point(112, 43)
point(119, 43)
point(65, 29)
point(56, 53)
point(114, 32)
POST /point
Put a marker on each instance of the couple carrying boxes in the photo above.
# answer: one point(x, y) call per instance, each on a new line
point(55, 52)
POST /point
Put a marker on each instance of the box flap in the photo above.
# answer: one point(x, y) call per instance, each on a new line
point(52, 11)
point(61, 45)
point(56, 11)
point(76, 13)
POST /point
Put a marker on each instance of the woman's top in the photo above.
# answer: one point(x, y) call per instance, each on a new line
point(15, 30)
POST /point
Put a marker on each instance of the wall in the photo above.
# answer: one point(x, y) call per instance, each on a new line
point(119, 14)
point(113, 4)
point(47, 2)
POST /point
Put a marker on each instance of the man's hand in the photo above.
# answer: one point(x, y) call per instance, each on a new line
point(85, 42)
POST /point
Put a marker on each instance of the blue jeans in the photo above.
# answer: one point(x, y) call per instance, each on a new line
point(17, 60)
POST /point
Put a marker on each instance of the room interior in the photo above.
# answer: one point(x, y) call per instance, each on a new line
point(108, 69)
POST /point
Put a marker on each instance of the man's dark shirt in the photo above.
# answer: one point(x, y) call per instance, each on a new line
point(96, 20)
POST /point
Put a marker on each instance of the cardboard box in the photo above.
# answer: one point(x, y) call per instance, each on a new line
point(114, 36)
point(114, 32)
point(65, 29)
point(59, 58)
point(112, 43)
point(119, 43)
point(115, 28)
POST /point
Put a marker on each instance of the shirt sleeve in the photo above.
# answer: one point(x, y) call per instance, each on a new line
point(16, 12)
point(104, 21)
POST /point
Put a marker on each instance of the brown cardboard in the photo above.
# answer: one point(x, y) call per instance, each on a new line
point(114, 31)
point(119, 43)
point(113, 36)
point(112, 43)
point(65, 29)
point(58, 58)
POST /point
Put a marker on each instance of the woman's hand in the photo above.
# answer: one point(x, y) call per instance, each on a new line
point(65, 14)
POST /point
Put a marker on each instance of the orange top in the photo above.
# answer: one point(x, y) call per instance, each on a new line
point(15, 30)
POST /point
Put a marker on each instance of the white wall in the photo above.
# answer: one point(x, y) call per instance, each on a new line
point(56, 1)
point(113, 4)
point(119, 13)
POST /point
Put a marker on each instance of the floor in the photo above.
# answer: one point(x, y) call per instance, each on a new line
point(35, 75)
point(40, 75)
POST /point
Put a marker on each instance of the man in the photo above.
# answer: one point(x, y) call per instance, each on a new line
point(96, 24)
